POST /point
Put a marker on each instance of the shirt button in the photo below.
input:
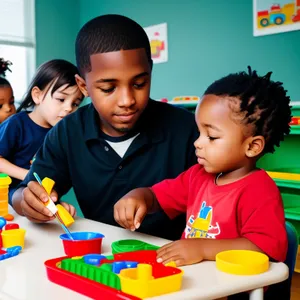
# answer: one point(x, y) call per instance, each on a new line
point(120, 167)
point(106, 148)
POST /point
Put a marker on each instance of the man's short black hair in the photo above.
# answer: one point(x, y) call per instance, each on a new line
point(108, 33)
point(263, 103)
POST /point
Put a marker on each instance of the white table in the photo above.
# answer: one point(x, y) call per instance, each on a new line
point(24, 277)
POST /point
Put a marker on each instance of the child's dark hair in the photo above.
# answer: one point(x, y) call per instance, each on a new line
point(263, 103)
point(109, 33)
point(58, 70)
point(4, 66)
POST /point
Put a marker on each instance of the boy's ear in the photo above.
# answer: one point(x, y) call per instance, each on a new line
point(255, 146)
point(82, 85)
point(36, 95)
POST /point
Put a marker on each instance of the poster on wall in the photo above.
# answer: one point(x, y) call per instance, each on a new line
point(275, 16)
point(157, 35)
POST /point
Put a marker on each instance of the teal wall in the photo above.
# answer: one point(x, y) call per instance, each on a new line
point(207, 39)
point(57, 24)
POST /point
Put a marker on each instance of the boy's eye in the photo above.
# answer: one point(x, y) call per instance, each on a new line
point(1, 106)
point(140, 85)
point(211, 138)
point(76, 104)
point(107, 91)
point(60, 100)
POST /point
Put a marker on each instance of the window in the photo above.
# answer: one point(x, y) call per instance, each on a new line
point(17, 42)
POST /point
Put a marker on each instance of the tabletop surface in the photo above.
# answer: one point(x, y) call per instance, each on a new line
point(24, 277)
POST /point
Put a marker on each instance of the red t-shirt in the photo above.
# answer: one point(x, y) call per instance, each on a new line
point(250, 207)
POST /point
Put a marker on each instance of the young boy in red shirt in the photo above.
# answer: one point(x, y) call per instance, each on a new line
point(230, 203)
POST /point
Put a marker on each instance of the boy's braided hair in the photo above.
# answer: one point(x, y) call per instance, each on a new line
point(263, 103)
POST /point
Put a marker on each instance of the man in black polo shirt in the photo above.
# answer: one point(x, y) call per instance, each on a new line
point(122, 140)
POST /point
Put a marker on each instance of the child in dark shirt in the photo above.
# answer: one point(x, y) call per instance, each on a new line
point(53, 94)
point(7, 101)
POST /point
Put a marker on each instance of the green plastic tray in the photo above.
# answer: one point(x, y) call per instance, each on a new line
point(101, 275)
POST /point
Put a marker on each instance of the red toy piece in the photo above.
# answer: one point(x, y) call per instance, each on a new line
point(11, 226)
point(96, 290)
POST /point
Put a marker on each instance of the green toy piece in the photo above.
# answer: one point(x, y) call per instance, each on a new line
point(131, 245)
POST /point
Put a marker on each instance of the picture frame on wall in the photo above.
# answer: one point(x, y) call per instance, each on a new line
point(158, 38)
point(271, 18)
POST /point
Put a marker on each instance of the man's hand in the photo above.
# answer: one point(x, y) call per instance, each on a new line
point(70, 208)
point(32, 205)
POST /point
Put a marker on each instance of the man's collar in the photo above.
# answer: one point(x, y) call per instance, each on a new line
point(146, 124)
point(91, 124)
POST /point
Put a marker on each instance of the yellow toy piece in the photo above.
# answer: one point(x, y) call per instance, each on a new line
point(242, 262)
point(48, 184)
point(171, 264)
point(62, 212)
point(284, 176)
point(139, 282)
point(5, 181)
point(64, 215)
point(13, 237)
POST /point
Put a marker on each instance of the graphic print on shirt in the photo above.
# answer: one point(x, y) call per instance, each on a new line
point(201, 226)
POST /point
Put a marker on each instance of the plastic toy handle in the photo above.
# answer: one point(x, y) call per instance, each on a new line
point(67, 219)
point(144, 272)
point(48, 184)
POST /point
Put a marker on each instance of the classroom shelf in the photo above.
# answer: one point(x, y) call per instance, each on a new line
point(292, 213)
point(295, 129)
point(192, 103)
point(292, 184)
point(187, 103)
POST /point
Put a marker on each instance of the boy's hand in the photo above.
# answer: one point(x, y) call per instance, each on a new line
point(182, 252)
point(70, 208)
point(130, 211)
point(31, 204)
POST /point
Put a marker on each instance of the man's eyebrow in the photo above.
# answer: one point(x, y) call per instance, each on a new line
point(103, 80)
point(141, 75)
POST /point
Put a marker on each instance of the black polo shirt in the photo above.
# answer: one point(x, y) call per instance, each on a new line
point(76, 154)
